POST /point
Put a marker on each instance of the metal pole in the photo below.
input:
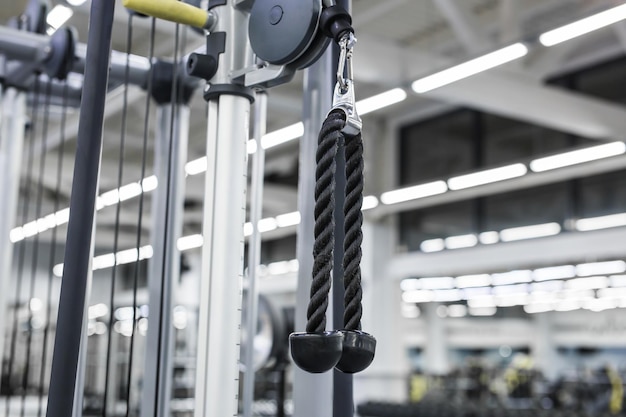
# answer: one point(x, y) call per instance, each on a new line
point(254, 252)
point(12, 124)
point(32, 48)
point(78, 250)
point(312, 394)
point(343, 403)
point(217, 377)
point(167, 218)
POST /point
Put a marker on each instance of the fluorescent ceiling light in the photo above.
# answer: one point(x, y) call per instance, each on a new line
point(612, 293)
point(538, 308)
point(476, 293)
point(149, 183)
point(247, 229)
point(463, 241)
point(597, 304)
point(489, 238)
point(602, 222)
point(583, 26)
point(58, 16)
point(589, 283)
point(530, 232)
point(457, 310)
point(578, 156)
point(483, 311)
point(618, 280)
point(567, 305)
point(266, 225)
point(488, 176)
point(410, 311)
point(418, 296)
point(554, 272)
point(432, 245)
point(510, 300)
point(283, 135)
point(410, 284)
point(481, 302)
point(282, 267)
point(189, 242)
point(197, 166)
point(601, 268)
point(547, 286)
point(511, 277)
point(369, 202)
point(76, 3)
point(288, 219)
point(437, 283)
point(510, 289)
point(467, 281)
point(414, 192)
point(446, 296)
point(380, 101)
point(469, 68)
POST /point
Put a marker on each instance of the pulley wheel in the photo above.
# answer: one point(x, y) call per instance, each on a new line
point(283, 30)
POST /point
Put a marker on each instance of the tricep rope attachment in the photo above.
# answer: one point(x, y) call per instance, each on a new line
point(349, 350)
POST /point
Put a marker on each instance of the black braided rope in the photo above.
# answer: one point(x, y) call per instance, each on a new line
point(327, 147)
point(353, 234)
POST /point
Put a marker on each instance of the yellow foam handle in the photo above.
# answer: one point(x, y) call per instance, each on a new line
point(172, 10)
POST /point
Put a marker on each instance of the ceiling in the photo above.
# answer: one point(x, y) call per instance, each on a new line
point(398, 41)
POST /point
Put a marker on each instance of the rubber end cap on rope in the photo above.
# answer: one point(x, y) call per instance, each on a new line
point(316, 352)
point(358, 351)
point(335, 21)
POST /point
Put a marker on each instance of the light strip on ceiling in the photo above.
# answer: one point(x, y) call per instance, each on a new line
point(380, 101)
point(579, 156)
point(469, 68)
point(601, 222)
point(530, 232)
point(487, 177)
point(61, 217)
point(583, 26)
point(414, 192)
point(58, 16)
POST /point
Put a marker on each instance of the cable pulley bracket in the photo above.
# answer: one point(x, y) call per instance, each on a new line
point(343, 97)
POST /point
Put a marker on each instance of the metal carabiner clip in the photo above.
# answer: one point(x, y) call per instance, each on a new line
point(343, 97)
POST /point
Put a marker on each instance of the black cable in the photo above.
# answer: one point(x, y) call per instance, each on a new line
point(118, 208)
point(353, 237)
point(57, 200)
point(174, 104)
point(327, 147)
point(146, 129)
point(35, 255)
point(22, 247)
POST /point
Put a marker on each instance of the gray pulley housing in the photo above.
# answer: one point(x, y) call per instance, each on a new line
point(286, 32)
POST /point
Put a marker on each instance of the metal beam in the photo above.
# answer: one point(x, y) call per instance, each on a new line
point(464, 25)
point(509, 95)
point(564, 248)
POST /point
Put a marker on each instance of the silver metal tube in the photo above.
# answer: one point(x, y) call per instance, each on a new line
point(23, 46)
point(222, 269)
point(12, 122)
point(164, 267)
point(138, 69)
point(312, 393)
point(217, 377)
point(254, 251)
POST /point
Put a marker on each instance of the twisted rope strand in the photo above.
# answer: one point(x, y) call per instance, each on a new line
point(353, 221)
point(324, 222)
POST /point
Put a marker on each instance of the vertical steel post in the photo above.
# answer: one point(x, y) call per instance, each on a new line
point(343, 403)
point(224, 214)
point(77, 260)
point(254, 252)
point(312, 393)
point(164, 266)
point(12, 124)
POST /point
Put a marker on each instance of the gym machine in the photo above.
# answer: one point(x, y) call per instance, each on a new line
point(251, 45)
